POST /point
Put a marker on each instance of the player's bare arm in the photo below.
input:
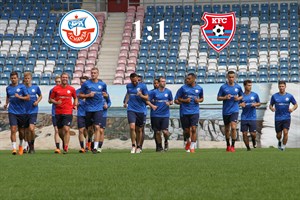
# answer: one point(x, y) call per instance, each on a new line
point(38, 100)
point(188, 100)
point(293, 108)
point(272, 108)
point(126, 101)
point(26, 98)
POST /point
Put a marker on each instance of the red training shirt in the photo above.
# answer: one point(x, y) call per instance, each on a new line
point(64, 94)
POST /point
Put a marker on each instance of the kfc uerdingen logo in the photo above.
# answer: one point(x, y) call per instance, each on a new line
point(218, 29)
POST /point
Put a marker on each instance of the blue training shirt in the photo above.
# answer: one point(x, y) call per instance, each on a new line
point(16, 105)
point(136, 103)
point(34, 91)
point(53, 105)
point(282, 105)
point(150, 93)
point(159, 99)
point(230, 106)
point(190, 92)
point(249, 112)
point(180, 105)
point(108, 102)
point(82, 104)
point(95, 103)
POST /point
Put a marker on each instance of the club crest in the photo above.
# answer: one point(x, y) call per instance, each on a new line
point(218, 29)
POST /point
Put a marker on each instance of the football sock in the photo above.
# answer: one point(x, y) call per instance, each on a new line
point(279, 143)
point(133, 145)
point(81, 144)
point(227, 142)
point(21, 143)
point(92, 145)
point(193, 145)
point(96, 145)
point(66, 148)
point(57, 145)
point(232, 142)
point(14, 145)
point(254, 142)
point(30, 144)
point(100, 144)
point(26, 145)
point(283, 147)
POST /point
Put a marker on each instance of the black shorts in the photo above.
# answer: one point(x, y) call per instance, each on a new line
point(93, 118)
point(81, 122)
point(18, 120)
point(63, 120)
point(282, 124)
point(231, 118)
point(159, 123)
point(182, 123)
point(137, 118)
point(54, 120)
point(103, 122)
point(248, 126)
point(190, 120)
point(32, 118)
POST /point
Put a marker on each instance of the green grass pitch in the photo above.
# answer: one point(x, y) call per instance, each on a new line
point(117, 174)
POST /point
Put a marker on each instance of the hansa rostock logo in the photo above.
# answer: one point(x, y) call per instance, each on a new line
point(78, 29)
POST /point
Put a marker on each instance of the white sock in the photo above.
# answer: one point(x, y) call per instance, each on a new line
point(21, 143)
point(14, 145)
point(26, 145)
point(193, 145)
point(283, 146)
point(96, 145)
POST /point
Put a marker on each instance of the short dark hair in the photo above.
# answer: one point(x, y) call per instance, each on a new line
point(162, 77)
point(247, 81)
point(281, 82)
point(192, 74)
point(13, 73)
point(156, 79)
point(84, 77)
point(133, 75)
point(230, 72)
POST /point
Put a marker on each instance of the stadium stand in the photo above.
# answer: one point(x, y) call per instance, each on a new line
point(265, 47)
point(30, 41)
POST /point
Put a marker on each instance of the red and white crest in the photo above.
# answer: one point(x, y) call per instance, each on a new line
point(78, 29)
point(218, 29)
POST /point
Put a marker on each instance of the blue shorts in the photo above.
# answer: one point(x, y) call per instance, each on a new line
point(103, 122)
point(63, 120)
point(248, 126)
point(32, 118)
point(190, 120)
point(81, 122)
point(231, 118)
point(137, 118)
point(282, 124)
point(18, 120)
point(54, 120)
point(159, 123)
point(94, 118)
